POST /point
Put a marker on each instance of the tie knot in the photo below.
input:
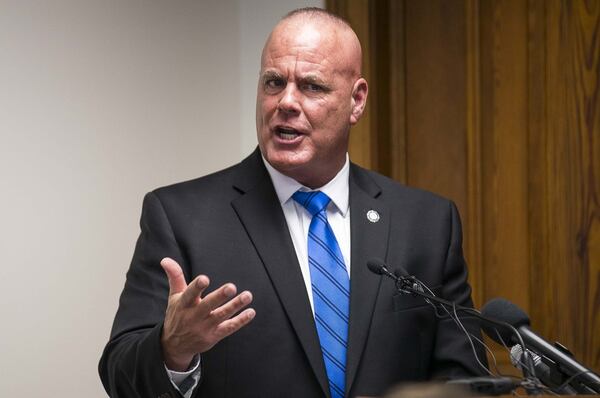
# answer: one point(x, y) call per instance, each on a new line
point(314, 201)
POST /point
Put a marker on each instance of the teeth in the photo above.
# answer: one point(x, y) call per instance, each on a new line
point(287, 134)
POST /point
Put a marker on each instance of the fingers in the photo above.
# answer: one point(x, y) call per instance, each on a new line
point(193, 292)
point(215, 299)
point(219, 305)
point(234, 324)
point(174, 273)
point(231, 307)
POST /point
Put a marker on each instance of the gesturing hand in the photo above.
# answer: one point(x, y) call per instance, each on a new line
point(193, 324)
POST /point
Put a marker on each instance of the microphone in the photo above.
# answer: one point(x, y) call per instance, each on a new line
point(583, 379)
point(405, 283)
point(516, 356)
point(551, 377)
point(377, 266)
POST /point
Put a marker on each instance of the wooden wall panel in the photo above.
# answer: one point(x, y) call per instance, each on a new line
point(503, 148)
point(436, 98)
point(472, 226)
point(564, 176)
point(398, 167)
point(496, 104)
point(503, 107)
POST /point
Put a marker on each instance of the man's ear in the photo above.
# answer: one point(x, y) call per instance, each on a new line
point(359, 100)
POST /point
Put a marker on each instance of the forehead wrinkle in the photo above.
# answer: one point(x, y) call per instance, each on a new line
point(297, 63)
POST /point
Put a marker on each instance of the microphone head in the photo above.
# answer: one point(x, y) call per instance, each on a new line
point(503, 310)
point(516, 353)
point(376, 265)
point(401, 272)
point(516, 356)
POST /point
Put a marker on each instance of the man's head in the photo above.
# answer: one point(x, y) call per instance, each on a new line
point(310, 92)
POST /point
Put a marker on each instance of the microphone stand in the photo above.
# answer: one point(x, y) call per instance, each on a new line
point(411, 285)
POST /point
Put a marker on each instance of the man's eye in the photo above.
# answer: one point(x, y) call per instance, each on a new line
point(274, 83)
point(313, 87)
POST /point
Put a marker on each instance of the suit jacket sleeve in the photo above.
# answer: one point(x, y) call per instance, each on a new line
point(132, 362)
point(453, 355)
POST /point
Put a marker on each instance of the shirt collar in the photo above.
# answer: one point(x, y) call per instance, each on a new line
point(337, 189)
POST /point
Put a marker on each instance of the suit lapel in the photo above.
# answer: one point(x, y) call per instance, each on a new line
point(261, 215)
point(369, 239)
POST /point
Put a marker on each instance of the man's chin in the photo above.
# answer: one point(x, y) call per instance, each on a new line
point(287, 161)
point(293, 168)
point(288, 168)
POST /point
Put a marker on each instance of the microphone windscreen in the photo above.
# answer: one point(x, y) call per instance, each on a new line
point(504, 311)
point(401, 272)
point(376, 265)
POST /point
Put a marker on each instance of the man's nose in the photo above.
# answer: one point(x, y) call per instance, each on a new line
point(289, 102)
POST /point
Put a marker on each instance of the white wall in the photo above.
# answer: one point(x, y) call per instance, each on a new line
point(100, 102)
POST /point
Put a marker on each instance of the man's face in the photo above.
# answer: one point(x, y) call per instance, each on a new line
point(306, 100)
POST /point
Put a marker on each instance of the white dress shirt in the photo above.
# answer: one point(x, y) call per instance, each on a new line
point(298, 218)
point(298, 221)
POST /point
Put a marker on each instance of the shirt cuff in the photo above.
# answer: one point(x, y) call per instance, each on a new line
point(186, 382)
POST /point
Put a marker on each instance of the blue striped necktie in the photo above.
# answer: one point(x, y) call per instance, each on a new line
point(330, 289)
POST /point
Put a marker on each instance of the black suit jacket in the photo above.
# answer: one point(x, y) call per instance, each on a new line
point(230, 226)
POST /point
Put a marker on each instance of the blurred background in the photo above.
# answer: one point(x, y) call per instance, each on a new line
point(492, 103)
point(102, 101)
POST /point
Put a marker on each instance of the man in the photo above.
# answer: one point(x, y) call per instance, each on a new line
point(320, 324)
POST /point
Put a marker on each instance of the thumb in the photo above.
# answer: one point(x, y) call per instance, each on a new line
point(174, 273)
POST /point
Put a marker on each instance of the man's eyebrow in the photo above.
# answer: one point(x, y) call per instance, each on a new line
point(314, 79)
point(270, 74)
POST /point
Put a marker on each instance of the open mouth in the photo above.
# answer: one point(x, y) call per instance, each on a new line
point(287, 133)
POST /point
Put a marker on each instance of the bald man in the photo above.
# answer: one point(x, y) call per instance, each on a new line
point(252, 282)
